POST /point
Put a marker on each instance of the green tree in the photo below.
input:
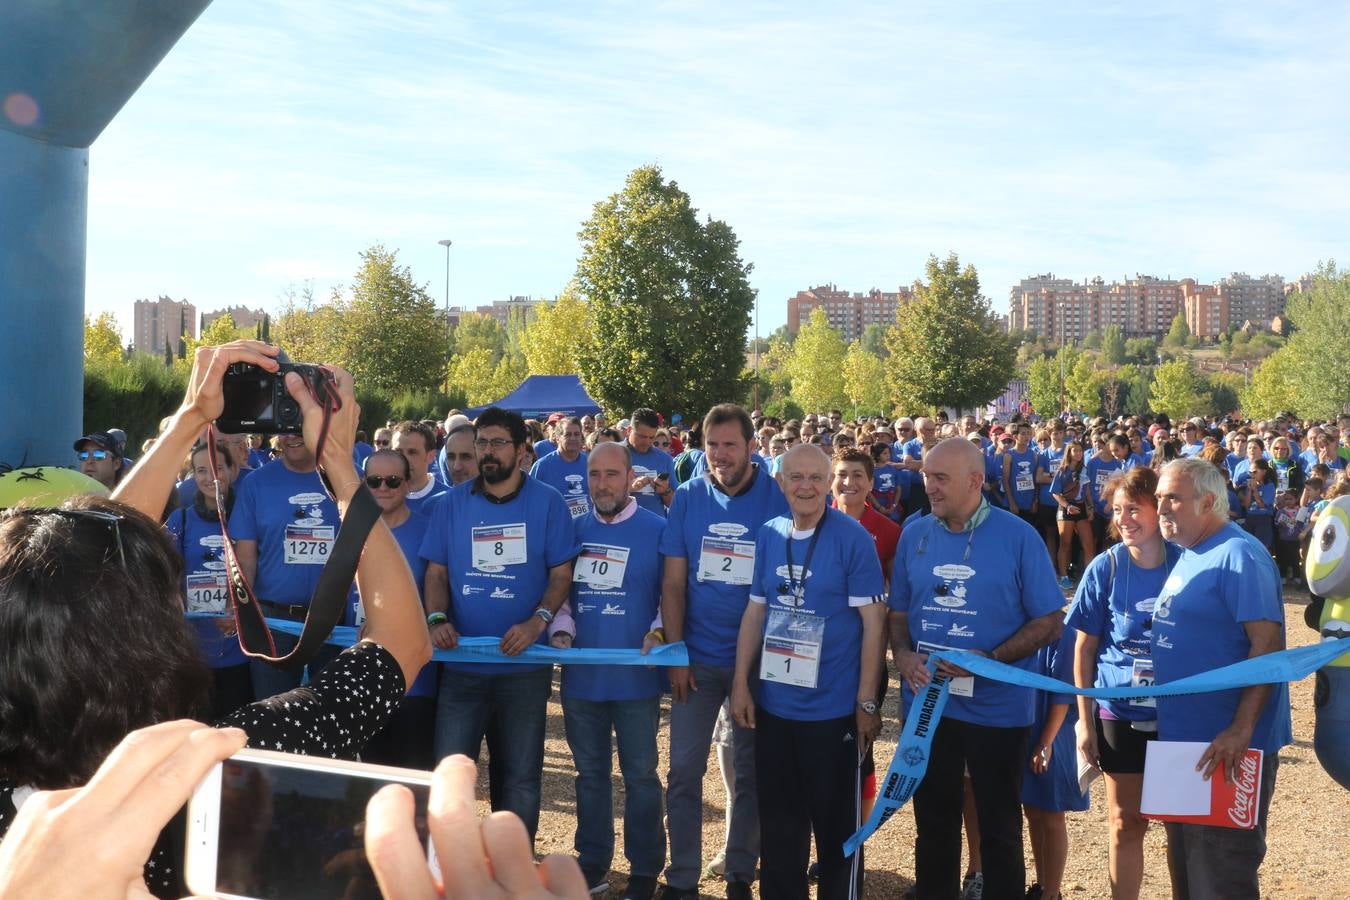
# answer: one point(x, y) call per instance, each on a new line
point(1178, 334)
point(554, 335)
point(1043, 388)
point(1092, 340)
point(874, 340)
point(102, 341)
point(1272, 389)
point(816, 366)
point(1142, 350)
point(1113, 346)
point(864, 380)
point(308, 331)
point(1083, 385)
point(220, 331)
point(1225, 389)
point(1321, 344)
point(947, 348)
point(474, 374)
point(391, 335)
point(1139, 393)
point(1178, 390)
point(477, 331)
point(669, 294)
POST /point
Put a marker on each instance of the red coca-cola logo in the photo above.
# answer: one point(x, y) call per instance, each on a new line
point(1245, 790)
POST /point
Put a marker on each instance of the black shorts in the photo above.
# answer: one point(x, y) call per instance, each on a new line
point(1045, 516)
point(1121, 748)
point(1064, 515)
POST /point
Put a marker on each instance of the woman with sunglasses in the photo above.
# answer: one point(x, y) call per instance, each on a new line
point(96, 645)
point(195, 532)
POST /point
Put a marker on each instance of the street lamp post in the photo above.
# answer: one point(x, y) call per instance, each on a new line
point(446, 244)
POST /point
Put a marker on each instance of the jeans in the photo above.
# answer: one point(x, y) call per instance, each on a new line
point(516, 706)
point(996, 758)
point(1207, 862)
point(691, 726)
point(268, 680)
point(634, 724)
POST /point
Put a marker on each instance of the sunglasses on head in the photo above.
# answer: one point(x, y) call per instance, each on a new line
point(375, 481)
point(94, 454)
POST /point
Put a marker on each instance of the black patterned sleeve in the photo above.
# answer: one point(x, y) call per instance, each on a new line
point(335, 715)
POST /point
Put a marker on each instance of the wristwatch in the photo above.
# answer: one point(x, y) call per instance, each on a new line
point(544, 613)
point(868, 706)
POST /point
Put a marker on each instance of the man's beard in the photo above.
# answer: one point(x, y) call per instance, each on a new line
point(614, 507)
point(496, 474)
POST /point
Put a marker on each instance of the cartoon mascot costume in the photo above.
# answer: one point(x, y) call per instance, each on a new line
point(1328, 569)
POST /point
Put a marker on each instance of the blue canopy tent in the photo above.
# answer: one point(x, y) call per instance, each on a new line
point(539, 395)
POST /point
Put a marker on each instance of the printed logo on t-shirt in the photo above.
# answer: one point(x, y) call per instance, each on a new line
point(502, 593)
point(728, 529)
point(470, 589)
point(613, 609)
point(574, 484)
point(308, 502)
point(213, 559)
point(951, 589)
point(1146, 606)
point(959, 630)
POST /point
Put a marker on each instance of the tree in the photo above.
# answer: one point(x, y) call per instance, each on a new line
point(1043, 388)
point(1224, 392)
point(816, 365)
point(477, 331)
point(391, 337)
point(220, 331)
point(1178, 390)
point(1113, 346)
point(1272, 389)
point(874, 340)
point(1321, 344)
point(1092, 340)
point(864, 380)
point(306, 330)
point(1083, 385)
point(1178, 334)
point(670, 295)
point(554, 335)
point(474, 374)
point(1142, 350)
point(1139, 394)
point(947, 348)
point(102, 340)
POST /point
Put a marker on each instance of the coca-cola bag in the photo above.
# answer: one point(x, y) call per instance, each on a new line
point(1175, 792)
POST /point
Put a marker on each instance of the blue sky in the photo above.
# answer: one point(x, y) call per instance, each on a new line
point(843, 142)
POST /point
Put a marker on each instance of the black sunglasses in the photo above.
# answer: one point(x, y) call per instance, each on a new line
point(110, 519)
point(374, 481)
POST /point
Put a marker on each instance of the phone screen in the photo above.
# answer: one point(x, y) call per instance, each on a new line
point(297, 834)
point(249, 397)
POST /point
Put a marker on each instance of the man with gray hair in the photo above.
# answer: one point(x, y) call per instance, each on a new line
point(1220, 605)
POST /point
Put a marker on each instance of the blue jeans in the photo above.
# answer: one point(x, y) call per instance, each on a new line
point(634, 724)
point(515, 706)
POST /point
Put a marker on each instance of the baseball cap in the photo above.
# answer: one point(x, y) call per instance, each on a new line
point(554, 417)
point(102, 438)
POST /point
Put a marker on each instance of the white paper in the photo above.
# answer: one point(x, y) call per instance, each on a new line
point(1172, 786)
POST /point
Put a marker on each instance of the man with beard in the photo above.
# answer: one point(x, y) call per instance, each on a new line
point(499, 563)
point(709, 545)
point(616, 596)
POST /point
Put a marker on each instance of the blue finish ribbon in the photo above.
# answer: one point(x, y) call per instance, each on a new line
point(486, 649)
point(910, 762)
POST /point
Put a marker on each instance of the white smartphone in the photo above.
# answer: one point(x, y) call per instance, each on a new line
point(276, 826)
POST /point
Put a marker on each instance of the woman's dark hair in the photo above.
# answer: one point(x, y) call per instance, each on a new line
point(95, 640)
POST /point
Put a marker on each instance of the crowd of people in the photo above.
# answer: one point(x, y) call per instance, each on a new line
point(789, 556)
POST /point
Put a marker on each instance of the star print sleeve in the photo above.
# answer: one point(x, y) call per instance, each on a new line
point(335, 715)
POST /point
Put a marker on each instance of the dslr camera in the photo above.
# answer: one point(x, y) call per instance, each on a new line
point(257, 402)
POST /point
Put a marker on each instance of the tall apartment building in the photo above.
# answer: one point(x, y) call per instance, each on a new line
point(160, 321)
point(242, 316)
point(849, 314)
point(1059, 309)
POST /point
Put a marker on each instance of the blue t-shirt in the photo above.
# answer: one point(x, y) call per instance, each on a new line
point(1099, 470)
point(567, 478)
point(1267, 490)
point(1057, 788)
point(1072, 485)
point(1022, 476)
point(1192, 449)
point(886, 483)
point(424, 502)
point(845, 559)
point(409, 536)
point(531, 533)
point(993, 480)
point(1119, 613)
point(1217, 585)
point(544, 448)
point(259, 458)
point(360, 453)
point(973, 591)
point(1050, 459)
point(205, 584)
point(653, 463)
point(1242, 471)
point(295, 525)
point(610, 614)
point(716, 534)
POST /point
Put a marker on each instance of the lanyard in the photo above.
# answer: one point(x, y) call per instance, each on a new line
point(799, 590)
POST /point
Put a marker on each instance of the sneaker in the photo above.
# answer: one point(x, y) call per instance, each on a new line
point(640, 887)
point(738, 890)
point(1035, 891)
point(972, 888)
point(673, 893)
point(597, 882)
point(1065, 584)
point(717, 867)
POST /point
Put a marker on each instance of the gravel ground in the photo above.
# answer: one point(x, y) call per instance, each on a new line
point(1306, 839)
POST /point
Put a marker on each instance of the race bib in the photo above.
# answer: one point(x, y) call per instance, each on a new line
point(207, 593)
point(308, 545)
point(725, 561)
point(601, 566)
point(791, 649)
point(959, 687)
point(496, 546)
point(578, 506)
point(1141, 675)
point(1024, 483)
point(1102, 478)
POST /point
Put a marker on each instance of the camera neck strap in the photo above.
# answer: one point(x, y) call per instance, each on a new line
point(329, 602)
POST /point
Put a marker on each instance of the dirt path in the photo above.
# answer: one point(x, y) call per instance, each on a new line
point(1306, 839)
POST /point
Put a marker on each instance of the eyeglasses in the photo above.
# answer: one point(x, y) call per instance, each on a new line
point(375, 481)
point(494, 443)
point(96, 454)
point(384, 443)
point(111, 520)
